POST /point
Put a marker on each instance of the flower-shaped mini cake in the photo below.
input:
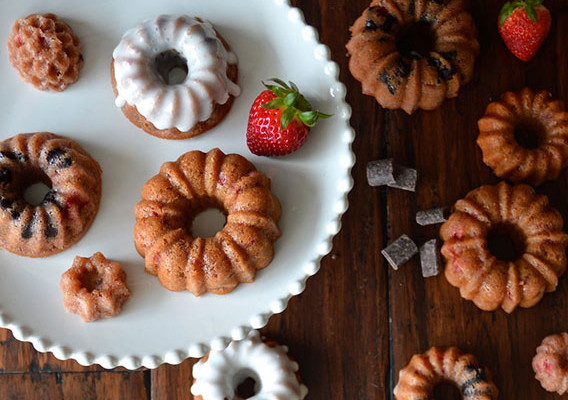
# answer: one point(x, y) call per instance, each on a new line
point(94, 288)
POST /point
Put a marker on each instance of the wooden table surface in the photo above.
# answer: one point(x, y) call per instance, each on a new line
point(358, 321)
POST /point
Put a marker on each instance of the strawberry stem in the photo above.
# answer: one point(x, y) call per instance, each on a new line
point(528, 5)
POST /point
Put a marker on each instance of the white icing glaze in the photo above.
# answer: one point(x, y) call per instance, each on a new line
point(274, 372)
point(181, 105)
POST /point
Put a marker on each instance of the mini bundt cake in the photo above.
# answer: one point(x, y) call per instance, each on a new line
point(68, 208)
point(174, 76)
point(45, 51)
point(524, 137)
point(94, 288)
point(184, 188)
point(413, 54)
point(504, 247)
point(444, 365)
point(550, 364)
point(221, 374)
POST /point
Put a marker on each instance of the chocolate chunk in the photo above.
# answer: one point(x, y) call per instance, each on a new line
point(5, 176)
point(50, 231)
point(6, 203)
point(380, 172)
point(27, 232)
point(14, 156)
point(405, 179)
point(385, 78)
point(50, 197)
point(430, 258)
point(400, 251)
point(59, 158)
point(432, 217)
point(14, 214)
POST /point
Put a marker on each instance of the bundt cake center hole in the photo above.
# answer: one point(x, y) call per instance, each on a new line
point(447, 391)
point(92, 280)
point(246, 384)
point(171, 67)
point(208, 222)
point(529, 134)
point(506, 242)
point(35, 188)
point(416, 40)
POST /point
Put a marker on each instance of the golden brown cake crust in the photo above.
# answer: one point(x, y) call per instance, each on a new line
point(67, 210)
point(444, 365)
point(536, 230)
point(550, 364)
point(540, 115)
point(183, 189)
point(403, 78)
point(45, 51)
point(218, 114)
point(94, 288)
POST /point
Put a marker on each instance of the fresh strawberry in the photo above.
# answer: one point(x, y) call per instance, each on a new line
point(524, 25)
point(280, 120)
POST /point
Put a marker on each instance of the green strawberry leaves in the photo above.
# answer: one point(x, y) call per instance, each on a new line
point(510, 6)
point(293, 103)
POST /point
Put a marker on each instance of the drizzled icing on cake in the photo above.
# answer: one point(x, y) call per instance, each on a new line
point(182, 105)
point(271, 368)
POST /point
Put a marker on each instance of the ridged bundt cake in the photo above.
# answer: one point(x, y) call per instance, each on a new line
point(94, 288)
point(413, 54)
point(504, 247)
point(550, 364)
point(153, 97)
point(219, 373)
point(45, 51)
point(184, 188)
point(524, 137)
point(444, 365)
point(67, 210)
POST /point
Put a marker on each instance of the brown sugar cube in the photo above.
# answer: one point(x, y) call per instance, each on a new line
point(432, 217)
point(430, 258)
point(380, 172)
point(94, 288)
point(400, 251)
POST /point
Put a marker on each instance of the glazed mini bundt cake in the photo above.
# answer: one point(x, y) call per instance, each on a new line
point(504, 247)
point(444, 365)
point(184, 188)
point(152, 91)
point(68, 208)
point(524, 137)
point(550, 364)
point(45, 51)
point(413, 54)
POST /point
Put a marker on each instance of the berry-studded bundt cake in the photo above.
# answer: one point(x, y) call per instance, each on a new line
point(413, 54)
point(504, 247)
point(68, 208)
point(550, 364)
point(184, 188)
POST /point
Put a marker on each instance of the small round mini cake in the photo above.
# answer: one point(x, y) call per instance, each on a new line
point(45, 51)
point(550, 364)
point(504, 247)
point(94, 288)
point(183, 189)
point(524, 137)
point(69, 207)
point(174, 76)
point(219, 374)
point(413, 54)
point(444, 365)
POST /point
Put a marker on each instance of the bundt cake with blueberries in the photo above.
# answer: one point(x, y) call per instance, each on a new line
point(550, 364)
point(68, 208)
point(524, 137)
point(504, 247)
point(45, 51)
point(184, 188)
point(413, 54)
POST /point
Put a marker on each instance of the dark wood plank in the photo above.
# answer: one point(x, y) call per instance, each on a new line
point(441, 145)
point(74, 386)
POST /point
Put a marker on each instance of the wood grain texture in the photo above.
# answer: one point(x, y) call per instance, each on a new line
point(358, 322)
